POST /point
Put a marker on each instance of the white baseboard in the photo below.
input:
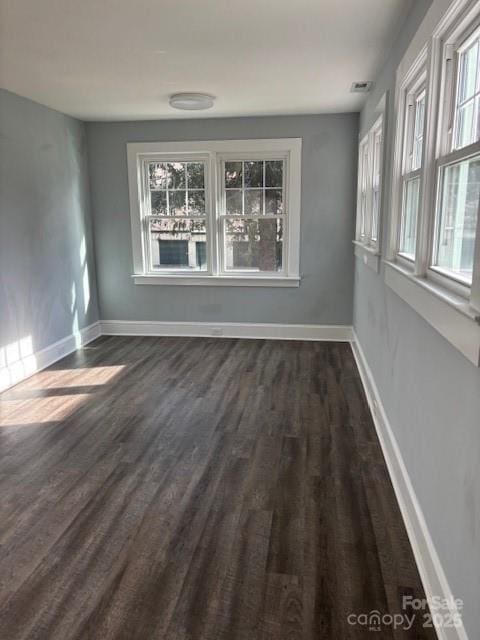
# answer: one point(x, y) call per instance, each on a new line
point(19, 361)
point(429, 566)
point(228, 330)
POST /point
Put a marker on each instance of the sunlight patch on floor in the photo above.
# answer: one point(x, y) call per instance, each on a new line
point(39, 410)
point(16, 361)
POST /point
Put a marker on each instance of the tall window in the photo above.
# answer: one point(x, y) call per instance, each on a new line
point(252, 215)
point(217, 209)
point(369, 186)
point(175, 215)
point(363, 186)
point(412, 162)
point(458, 175)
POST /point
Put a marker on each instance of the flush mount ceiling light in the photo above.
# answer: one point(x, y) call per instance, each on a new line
point(361, 87)
point(191, 101)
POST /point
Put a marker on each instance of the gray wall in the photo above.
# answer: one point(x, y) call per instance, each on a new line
point(44, 219)
point(328, 191)
point(431, 394)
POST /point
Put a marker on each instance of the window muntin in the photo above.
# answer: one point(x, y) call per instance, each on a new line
point(177, 188)
point(253, 217)
point(411, 171)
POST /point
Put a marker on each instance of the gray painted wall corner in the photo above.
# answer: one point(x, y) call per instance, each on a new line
point(47, 267)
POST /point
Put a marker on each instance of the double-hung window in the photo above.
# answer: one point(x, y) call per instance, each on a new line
point(369, 187)
point(458, 162)
point(216, 212)
point(411, 167)
point(252, 220)
point(363, 182)
point(175, 214)
point(434, 252)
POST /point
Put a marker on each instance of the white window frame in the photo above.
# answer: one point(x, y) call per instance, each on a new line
point(377, 166)
point(370, 172)
point(363, 189)
point(214, 153)
point(410, 86)
point(448, 304)
point(452, 41)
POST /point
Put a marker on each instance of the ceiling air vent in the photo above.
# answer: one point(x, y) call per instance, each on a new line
point(361, 87)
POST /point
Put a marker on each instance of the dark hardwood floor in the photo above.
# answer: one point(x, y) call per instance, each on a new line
point(191, 488)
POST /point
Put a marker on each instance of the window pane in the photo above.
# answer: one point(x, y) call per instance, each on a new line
point(363, 213)
point(159, 203)
point(465, 124)
point(157, 175)
point(196, 175)
point(178, 203)
point(196, 203)
point(233, 202)
point(273, 201)
point(468, 72)
point(253, 174)
point(274, 173)
point(375, 212)
point(418, 132)
point(176, 175)
point(254, 202)
point(467, 130)
point(173, 244)
point(363, 188)
point(201, 252)
point(408, 231)
point(254, 244)
point(457, 224)
point(233, 174)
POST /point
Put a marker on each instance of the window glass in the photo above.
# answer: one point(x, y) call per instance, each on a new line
point(457, 220)
point(408, 230)
point(254, 188)
point(377, 159)
point(417, 146)
point(174, 243)
point(254, 244)
point(364, 189)
point(177, 188)
point(467, 104)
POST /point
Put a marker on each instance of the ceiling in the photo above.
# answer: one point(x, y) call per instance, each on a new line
point(121, 59)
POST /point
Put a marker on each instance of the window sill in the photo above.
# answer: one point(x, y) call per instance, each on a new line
point(217, 281)
point(369, 255)
point(450, 314)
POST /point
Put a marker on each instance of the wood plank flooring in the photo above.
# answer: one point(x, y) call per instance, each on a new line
point(197, 489)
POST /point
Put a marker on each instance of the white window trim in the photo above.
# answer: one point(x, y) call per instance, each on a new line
point(214, 152)
point(366, 247)
point(451, 308)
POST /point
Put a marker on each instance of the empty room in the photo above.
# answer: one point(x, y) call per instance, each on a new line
point(239, 320)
